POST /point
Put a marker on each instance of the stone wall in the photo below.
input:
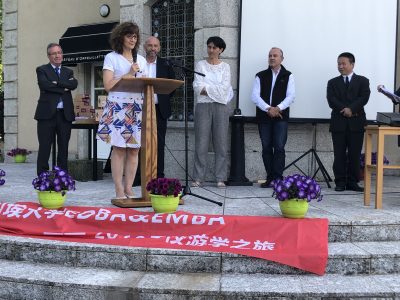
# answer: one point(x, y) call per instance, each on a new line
point(10, 68)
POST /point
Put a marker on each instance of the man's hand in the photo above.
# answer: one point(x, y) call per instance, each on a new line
point(274, 112)
point(346, 112)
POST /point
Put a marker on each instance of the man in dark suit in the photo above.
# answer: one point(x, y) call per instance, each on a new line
point(347, 95)
point(55, 110)
point(158, 67)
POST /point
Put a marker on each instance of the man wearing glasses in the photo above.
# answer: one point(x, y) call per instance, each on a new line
point(55, 109)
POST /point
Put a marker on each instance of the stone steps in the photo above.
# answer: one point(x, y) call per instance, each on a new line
point(25, 280)
point(344, 258)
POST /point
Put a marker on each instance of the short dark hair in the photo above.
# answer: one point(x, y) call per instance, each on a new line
point(217, 41)
point(51, 45)
point(118, 34)
point(350, 56)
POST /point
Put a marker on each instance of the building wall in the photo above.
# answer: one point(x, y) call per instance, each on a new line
point(29, 26)
point(25, 49)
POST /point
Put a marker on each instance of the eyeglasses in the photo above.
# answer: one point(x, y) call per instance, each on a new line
point(131, 36)
point(55, 53)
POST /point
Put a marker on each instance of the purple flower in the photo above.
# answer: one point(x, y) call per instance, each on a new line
point(56, 180)
point(373, 159)
point(297, 187)
point(164, 186)
point(2, 174)
point(18, 151)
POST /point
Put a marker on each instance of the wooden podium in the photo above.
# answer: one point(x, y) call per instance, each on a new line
point(148, 153)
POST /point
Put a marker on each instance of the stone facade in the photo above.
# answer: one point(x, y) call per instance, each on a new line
point(212, 17)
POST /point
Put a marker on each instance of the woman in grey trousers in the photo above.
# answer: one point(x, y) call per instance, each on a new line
point(213, 92)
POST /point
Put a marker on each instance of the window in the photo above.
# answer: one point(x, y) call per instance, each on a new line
point(173, 24)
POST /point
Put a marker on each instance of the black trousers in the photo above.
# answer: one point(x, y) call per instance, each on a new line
point(347, 146)
point(161, 133)
point(46, 132)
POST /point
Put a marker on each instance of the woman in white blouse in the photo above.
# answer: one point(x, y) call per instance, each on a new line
point(213, 93)
point(120, 124)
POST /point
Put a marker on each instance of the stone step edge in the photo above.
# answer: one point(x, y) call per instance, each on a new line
point(343, 258)
point(51, 281)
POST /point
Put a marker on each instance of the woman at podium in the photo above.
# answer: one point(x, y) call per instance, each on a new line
point(213, 92)
point(120, 124)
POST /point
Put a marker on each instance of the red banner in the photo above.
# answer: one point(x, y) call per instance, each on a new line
point(301, 243)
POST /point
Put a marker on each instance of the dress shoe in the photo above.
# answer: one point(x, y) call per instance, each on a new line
point(339, 188)
point(354, 187)
point(266, 184)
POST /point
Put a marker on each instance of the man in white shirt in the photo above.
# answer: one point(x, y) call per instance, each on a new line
point(273, 93)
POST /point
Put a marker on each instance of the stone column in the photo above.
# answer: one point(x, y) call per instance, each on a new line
point(10, 69)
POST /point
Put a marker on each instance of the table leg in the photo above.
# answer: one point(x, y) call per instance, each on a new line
point(379, 169)
point(94, 155)
point(367, 170)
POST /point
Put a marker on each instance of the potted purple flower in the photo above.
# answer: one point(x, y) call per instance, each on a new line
point(294, 192)
point(52, 187)
point(2, 174)
point(19, 154)
point(164, 194)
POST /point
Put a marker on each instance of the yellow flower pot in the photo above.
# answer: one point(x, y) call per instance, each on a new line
point(20, 158)
point(164, 204)
point(294, 208)
point(51, 199)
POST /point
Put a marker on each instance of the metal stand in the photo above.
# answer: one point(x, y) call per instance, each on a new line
point(314, 154)
point(186, 189)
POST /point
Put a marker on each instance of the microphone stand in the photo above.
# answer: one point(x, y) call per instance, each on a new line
point(186, 190)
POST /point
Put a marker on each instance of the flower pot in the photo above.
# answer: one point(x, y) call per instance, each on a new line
point(164, 204)
point(20, 158)
point(294, 208)
point(51, 199)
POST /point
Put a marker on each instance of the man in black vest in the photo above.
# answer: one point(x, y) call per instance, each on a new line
point(347, 95)
point(273, 92)
point(55, 109)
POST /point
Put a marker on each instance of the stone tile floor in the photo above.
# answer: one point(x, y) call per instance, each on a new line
point(338, 207)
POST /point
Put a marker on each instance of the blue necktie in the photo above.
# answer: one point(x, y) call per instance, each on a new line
point(347, 82)
point(57, 69)
point(60, 102)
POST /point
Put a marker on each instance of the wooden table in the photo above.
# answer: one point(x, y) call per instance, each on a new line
point(379, 132)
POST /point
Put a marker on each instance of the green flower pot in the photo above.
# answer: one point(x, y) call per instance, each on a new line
point(20, 158)
point(164, 204)
point(294, 208)
point(51, 199)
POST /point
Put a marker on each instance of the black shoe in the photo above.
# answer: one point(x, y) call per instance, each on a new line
point(266, 184)
point(339, 188)
point(354, 187)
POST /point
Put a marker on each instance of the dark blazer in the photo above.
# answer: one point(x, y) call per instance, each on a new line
point(354, 97)
point(50, 92)
point(164, 70)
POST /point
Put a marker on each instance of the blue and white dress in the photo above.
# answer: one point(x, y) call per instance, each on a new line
point(121, 121)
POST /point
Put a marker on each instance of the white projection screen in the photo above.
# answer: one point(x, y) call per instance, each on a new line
point(312, 33)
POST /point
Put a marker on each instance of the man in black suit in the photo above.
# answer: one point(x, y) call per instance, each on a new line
point(158, 67)
point(55, 109)
point(347, 95)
